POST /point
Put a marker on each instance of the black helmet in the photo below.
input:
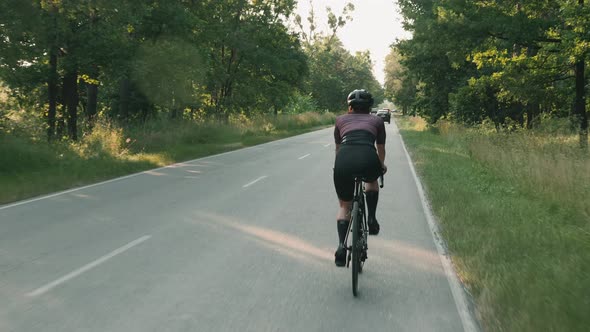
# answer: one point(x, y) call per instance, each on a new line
point(360, 99)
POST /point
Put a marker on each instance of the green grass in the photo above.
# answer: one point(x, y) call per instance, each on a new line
point(514, 211)
point(30, 167)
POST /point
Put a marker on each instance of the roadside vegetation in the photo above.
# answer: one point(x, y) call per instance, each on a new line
point(93, 90)
point(510, 63)
point(31, 166)
point(514, 209)
point(501, 142)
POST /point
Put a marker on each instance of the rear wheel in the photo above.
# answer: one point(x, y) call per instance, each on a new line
point(361, 238)
point(356, 250)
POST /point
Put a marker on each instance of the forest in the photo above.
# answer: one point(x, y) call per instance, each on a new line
point(65, 64)
point(510, 63)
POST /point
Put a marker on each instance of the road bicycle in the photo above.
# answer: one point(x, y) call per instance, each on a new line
point(358, 227)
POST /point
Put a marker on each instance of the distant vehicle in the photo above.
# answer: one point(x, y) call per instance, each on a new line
point(374, 111)
point(384, 114)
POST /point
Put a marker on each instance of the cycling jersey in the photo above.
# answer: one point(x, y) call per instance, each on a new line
point(357, 135)
point(358, 121)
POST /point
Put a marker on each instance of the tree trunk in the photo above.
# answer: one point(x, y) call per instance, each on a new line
point(52, 91)
point(91, 104)
point(61, 125)
point(518, 114)
point(532, 112)
point(52, 82)
point(71, 102)
point(580, 103)
point(124, 96)
point(92, 89)
point(493, 109)
point(92, 98)
point(174, 109)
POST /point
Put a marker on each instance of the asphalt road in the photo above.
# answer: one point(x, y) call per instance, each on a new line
point(242, 241)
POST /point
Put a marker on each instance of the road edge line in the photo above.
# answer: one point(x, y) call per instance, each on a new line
point(457, 289)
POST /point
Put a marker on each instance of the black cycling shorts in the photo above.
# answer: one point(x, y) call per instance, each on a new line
point(351, 161)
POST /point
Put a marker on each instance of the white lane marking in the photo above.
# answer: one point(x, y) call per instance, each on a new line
point(72, 190)
point(307, 155)
point(327, 145)
point(253, 182)
point(73, 274)
point(457, 290)
point(155, 169)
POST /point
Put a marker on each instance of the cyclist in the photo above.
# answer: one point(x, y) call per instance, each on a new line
point(356, 134)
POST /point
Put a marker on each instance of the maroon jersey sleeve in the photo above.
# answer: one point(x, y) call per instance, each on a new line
point(337, 134)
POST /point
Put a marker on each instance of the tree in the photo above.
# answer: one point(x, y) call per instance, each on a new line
point(494, 60)
point(133, 59)
point(400, 86)
point(248, 50)
point(334, 71)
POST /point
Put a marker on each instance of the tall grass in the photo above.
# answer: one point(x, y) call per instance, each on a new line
point(30, 166)
point(558, 175)
point(549, 164)
point(513, 209)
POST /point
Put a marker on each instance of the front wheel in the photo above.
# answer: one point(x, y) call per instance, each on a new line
point(355, 248)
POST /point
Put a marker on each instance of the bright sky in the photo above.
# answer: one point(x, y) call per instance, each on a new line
point(376, 24)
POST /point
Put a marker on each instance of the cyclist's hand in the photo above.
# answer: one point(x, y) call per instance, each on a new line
point(384, 168)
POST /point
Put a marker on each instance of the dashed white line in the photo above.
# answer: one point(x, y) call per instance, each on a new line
point(73, 274)
point(327, 145)
point(253, 182)
point(203, 159)
point(307, 155)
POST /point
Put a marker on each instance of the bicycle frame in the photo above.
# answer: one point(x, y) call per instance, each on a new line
point(359, 196)
point(358, 226)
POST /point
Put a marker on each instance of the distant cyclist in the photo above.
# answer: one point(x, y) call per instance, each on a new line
point(356, 135)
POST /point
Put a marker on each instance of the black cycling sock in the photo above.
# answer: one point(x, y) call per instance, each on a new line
point(372, 199)
point(342, 229)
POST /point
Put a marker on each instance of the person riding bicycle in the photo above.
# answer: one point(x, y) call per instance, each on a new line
point(356, 134)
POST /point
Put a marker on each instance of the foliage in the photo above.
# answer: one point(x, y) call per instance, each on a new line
point(301, 104)
point(333, 71)
point(77, 62)
point(400, 85)
point(477, 60)
point(134, 60)
point(30, 167)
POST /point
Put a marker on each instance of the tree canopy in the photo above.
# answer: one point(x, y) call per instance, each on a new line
point(496, 60)
point(334, 71)
point(71, 61)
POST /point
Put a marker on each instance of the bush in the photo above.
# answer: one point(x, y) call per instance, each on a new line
point(301, 104)
point(105, 139)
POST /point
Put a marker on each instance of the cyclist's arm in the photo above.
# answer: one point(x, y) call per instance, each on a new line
point(337, 136)
point(380, 143)
point(381, 153)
